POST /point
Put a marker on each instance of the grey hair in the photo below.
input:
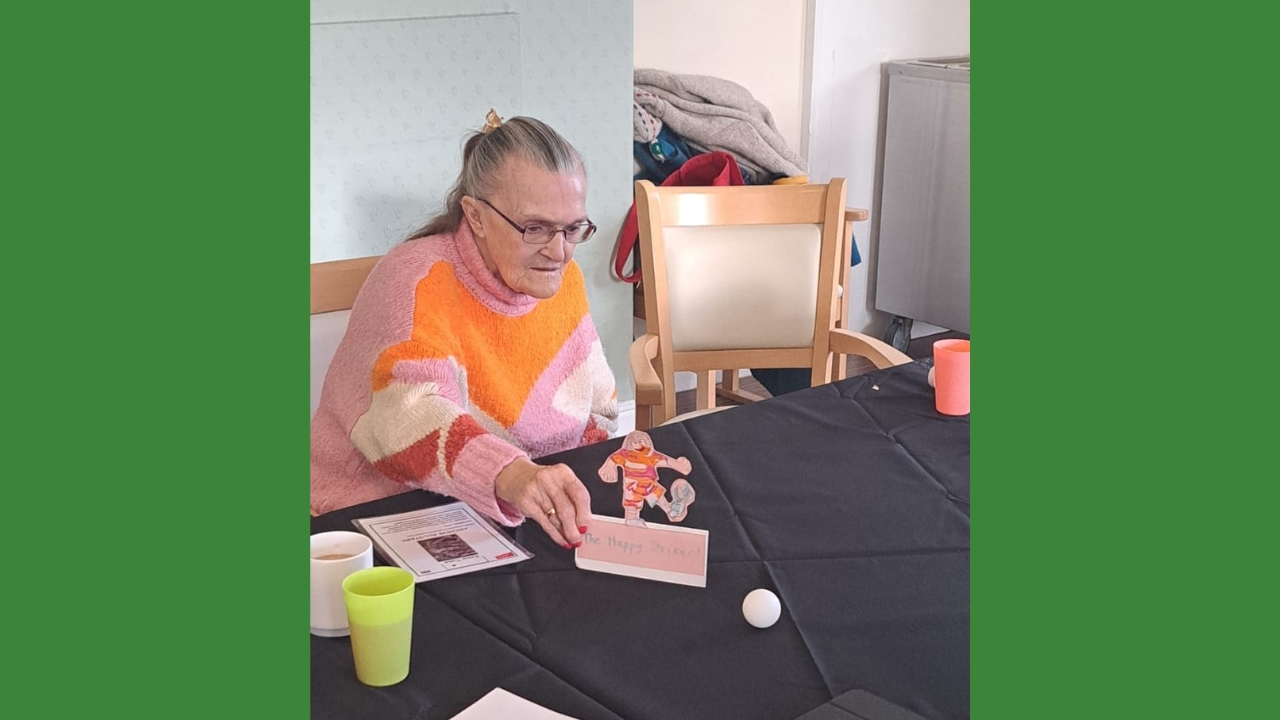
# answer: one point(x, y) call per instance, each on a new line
point(485, 153)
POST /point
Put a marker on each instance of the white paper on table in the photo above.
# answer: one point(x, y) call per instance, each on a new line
point(438, 542)
point(502, 705)
point(667, 553)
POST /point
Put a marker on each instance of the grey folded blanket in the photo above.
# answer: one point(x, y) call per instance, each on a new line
point(715, 114)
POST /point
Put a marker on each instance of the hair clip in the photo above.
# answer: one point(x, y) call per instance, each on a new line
point(491, 122)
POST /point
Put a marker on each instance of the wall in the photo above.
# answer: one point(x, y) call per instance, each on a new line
point(850, 40)
point(397, 84)
point(758, 44)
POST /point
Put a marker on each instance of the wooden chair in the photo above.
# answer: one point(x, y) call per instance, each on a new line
point(334, 286)
point(741, 277)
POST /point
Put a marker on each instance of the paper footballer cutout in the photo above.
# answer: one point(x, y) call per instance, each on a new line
point(640, 462)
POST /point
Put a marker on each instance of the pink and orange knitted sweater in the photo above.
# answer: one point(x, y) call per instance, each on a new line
point(446, 375)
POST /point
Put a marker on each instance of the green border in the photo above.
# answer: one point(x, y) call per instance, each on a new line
point(155, 241)
point(154, 176)
point(1123, 157)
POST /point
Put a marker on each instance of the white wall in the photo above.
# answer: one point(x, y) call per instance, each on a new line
point(758, 44)
point(851, 38)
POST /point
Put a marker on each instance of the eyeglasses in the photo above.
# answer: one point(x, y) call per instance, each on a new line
point(541, 234)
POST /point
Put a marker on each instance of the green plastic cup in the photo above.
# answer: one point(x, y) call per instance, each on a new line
point(380, 611)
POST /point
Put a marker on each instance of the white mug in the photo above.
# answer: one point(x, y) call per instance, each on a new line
point(334, 556)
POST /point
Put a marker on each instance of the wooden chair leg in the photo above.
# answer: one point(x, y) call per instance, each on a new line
point(731, 389)
point(729, 380)
point(839, 367)
point(706, 391)
point(840, 363)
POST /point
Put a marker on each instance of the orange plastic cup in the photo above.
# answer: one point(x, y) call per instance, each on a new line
point(951, 376)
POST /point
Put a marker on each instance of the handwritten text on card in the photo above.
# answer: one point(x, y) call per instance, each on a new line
point(655, 547)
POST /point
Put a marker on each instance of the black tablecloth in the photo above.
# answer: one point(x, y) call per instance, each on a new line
point(849, 500)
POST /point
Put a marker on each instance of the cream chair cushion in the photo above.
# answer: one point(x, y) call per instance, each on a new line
point(722, 280)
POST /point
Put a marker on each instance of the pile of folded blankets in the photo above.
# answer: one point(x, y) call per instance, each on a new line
point(678, 117)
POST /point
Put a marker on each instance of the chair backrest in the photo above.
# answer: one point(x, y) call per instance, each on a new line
point(334, 286)
point(740, 277)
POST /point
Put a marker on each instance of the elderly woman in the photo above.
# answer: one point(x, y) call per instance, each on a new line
point(470, 348)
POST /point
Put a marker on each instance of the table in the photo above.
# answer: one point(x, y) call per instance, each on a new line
point(849, 500)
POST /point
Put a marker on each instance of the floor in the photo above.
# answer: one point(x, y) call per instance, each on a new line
point(920, 347)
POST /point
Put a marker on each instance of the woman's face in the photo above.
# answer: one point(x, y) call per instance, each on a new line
point(528, 195)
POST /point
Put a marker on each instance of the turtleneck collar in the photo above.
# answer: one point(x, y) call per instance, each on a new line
point(490, 290)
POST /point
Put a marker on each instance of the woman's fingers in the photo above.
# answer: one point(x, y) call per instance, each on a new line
point(564, 491)
point(550, 495)
point(581, 499)
point(551, 528)
point(566, 519)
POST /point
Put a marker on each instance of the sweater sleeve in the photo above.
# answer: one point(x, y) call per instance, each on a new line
point(417, 432)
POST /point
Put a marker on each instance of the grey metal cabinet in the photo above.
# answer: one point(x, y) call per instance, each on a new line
point(922, 270)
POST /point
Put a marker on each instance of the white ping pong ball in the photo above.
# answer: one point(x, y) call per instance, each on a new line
point(761, 608)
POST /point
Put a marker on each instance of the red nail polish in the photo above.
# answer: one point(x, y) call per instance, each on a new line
point(577, 545)
point(582, 529)
point(567, 546)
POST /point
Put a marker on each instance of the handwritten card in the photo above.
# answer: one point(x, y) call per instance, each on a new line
point(655, 552)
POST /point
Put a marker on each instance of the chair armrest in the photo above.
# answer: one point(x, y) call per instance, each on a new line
point(855, 214)
point(879, 353)
point(648, 384)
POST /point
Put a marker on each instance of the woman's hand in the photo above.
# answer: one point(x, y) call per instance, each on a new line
point(550, 494)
